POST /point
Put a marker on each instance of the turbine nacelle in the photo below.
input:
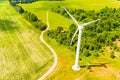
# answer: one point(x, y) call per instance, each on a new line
point(80, 27)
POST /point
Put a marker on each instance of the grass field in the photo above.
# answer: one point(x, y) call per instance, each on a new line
point(85, 4)
point(111, 68)
point(22, 55)
point(55, 19)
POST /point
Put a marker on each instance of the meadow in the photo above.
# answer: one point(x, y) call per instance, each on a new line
point(22, 55)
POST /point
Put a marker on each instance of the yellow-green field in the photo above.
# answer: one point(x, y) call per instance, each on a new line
point(84, 4)
point(93, 4)
point(103, 68)
point(22, 55)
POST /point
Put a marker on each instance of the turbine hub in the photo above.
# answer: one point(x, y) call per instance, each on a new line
point(80, 27)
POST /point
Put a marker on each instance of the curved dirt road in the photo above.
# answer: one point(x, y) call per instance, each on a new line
point(53, 52)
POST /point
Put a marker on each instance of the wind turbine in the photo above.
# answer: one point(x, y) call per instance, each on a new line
point(76, 67)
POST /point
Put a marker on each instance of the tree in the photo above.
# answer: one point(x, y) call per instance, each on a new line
point(33, 18)
point(59, 29)
point(112, 54)
point(86, 53)
point(72, 28)
point(42, 26)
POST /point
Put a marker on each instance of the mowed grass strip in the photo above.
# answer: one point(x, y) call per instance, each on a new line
point(22, 55)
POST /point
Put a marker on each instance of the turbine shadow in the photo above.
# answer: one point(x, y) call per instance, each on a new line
point(94, 65)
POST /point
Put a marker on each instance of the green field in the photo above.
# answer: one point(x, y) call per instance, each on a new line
point(65, 56)
point(22, 55)
point(39, 8)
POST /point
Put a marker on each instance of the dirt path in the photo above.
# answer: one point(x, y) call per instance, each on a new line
point(53, 52)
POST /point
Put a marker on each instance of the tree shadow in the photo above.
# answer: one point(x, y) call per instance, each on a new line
point(6, 25)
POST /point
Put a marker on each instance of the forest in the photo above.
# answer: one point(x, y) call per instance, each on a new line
point(96, 35)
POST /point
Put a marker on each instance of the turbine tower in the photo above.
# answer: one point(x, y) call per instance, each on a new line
point(76, 67)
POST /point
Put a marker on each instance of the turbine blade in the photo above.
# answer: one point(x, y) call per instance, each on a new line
point(76, 22)
point(90, 22)
point(73, 36)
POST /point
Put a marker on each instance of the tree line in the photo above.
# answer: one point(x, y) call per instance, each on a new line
point(21, 1)
point(94, 36)
point(28, 1)
point(50, 0)
point(32, 18)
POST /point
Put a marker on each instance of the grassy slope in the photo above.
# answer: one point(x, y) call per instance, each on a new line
point(40, 11)
point(22, 55)
point(65, 56)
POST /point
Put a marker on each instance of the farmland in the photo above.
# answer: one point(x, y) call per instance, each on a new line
point(22, 55)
